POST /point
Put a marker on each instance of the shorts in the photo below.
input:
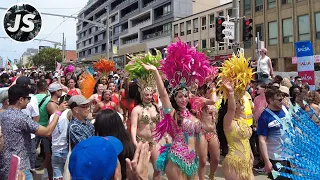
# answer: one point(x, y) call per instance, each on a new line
point(58, 160)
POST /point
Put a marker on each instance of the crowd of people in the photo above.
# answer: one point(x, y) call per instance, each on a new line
point(178, 114)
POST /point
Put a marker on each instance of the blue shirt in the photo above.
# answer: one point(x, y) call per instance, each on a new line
point(16, 128)
point(271, 128)
point(79, 131)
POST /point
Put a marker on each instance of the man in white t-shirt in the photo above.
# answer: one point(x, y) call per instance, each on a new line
point(264, 66)
point(60, 144)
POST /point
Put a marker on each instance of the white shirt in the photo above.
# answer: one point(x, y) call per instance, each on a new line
point(263, 65)
point(59, 134)
point(32, 109)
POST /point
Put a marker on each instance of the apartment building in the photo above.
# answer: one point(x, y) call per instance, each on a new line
point(280, 24)
point(199, 30)
point(136, 26)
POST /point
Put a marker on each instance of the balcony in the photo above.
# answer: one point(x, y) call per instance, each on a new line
point(129, 10)
point(146, 3)
point(124, 27)
point(155, 32)
point(162, 11)
point(117, 3)
point(130, 39)
point(142, 19)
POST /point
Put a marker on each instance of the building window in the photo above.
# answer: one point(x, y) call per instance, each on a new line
point(272, 4)
point(189, 27)
point(195, 43)
point(195, 25)
point(259, 5)
point(175, 30)
point(103, 47)
point(286, 1)
point(96, 49)
point(304, 27)
point(182, 29)
point(89, 51)
point(204, 43)
point(90, 30)
point(247, 7)
point(211, 20)
point(167, 9)
point(317, 18)
point(221, 46)
point(259, 28)
point(229, 12)
point(247, 44)
point(287, 30)
point(204, 23)
point(273, 33)
point(167, 28)
point(212, 43)
point(221, 13)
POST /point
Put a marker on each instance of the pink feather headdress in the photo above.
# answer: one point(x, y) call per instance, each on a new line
point(68, 69)
point(184, 66)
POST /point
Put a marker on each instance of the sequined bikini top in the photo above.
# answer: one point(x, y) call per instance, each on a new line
point(146, 119)
point(191, 127)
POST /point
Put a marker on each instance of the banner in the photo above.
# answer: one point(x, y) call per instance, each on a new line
point(12, 65)
point(305, 62)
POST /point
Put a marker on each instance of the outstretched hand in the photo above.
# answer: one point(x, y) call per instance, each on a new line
point(137, 169)
point(149, 67)
point(228, 85)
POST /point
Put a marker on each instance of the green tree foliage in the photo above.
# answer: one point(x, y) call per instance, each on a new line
point(47, 57)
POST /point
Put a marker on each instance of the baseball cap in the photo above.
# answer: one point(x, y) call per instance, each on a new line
point(78, 100)
point(54, 87)
point(95, 158)
point(23, 80)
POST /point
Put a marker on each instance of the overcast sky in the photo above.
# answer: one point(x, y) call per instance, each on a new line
point(52, 27)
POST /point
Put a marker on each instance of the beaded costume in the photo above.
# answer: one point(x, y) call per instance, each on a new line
point(178, 152)
point(238, 158)
point(237, 70)
point(182, 67)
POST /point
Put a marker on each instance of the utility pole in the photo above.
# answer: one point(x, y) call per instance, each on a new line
point(235, 14)
point(107, 33)
point(63, 47)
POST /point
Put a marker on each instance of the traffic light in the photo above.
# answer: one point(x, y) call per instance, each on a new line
point(219, 29)
point(247, 28)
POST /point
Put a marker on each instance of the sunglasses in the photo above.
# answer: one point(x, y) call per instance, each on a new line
point(278, 99)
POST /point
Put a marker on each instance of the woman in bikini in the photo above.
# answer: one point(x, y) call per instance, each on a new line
point(209, 141)
point(98, 96)
point(144, 118)
point(115, 95)
point(105, 103)
point(72, 90)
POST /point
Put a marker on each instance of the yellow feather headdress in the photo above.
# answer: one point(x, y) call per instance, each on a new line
point(237, 70)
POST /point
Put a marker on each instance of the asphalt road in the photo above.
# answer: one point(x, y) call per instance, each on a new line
point(218, 174)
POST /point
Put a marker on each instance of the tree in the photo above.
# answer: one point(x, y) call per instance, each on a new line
point(47, 57)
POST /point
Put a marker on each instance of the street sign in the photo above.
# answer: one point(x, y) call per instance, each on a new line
point(229, 30)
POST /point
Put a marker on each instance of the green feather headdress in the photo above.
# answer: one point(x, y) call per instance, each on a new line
point(145, 79)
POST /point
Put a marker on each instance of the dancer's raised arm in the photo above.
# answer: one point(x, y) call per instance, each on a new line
point(164, 97)
point(227, 120)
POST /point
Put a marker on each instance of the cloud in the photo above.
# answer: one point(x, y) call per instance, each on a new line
point(50, 24)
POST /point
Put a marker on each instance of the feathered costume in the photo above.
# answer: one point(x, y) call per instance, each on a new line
point(87, 84)
point(182, 67)
point(145, 79)
point(238, 160)
point(146, 83)
point(238, 71)
point(104, 66)
point(302, 145)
